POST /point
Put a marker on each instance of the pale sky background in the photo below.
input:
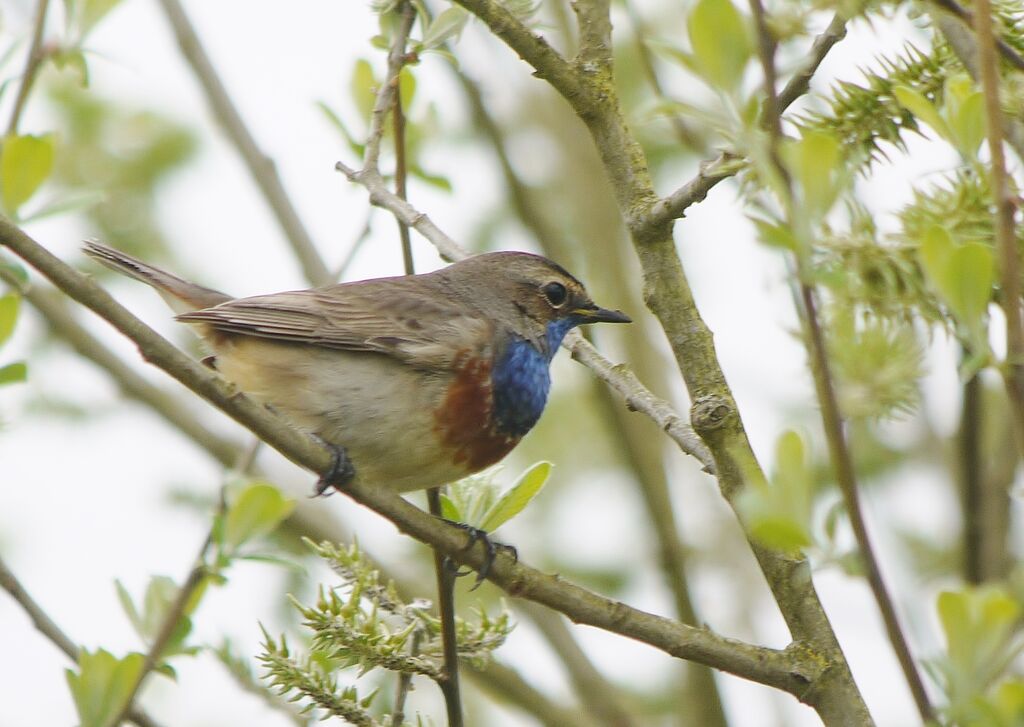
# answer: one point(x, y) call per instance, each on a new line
point(83, 504)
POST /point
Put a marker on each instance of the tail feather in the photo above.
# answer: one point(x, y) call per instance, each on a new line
point(181, 295)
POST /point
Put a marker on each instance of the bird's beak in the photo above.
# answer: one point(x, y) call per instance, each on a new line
point(602, 315)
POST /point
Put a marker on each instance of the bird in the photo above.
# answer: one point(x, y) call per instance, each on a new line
point(413, 381)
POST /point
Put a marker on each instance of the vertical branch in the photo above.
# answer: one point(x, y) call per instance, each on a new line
point(260, 166)
point(390, 94)
point(846, 477)
point(35, 58)
point(972, 480)
point(1006, 243)
point(832, 421)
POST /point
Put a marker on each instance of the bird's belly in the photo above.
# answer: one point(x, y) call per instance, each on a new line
point(381, 411)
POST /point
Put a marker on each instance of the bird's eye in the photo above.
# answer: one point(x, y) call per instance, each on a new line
point(555, 293)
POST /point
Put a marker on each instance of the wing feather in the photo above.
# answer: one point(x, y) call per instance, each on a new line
point(418, 325)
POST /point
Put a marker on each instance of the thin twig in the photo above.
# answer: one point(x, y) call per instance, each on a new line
point(641, 32)
point(821, 371)
point(1006, 239)
point(36, 56)
point(646, 454)
point(261, 167)
point(728, 164)
point(404, 684)
point(791, 670)
point(1007, 51)
point(176, 611)
point(389, 97)
point(618, 376)
point(597, 694)
point(45, 625)
point(972, 480)
point(509, 686)
point(847, 480)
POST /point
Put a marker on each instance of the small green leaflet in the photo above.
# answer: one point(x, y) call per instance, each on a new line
point(515, 499)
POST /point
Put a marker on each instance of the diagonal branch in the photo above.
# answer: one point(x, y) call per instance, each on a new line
point(33, 62)
point(1006, 238)
point(792, 670)
point(261, 167)
point(308, 518)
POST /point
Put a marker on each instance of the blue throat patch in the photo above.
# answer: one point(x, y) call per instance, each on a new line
point(521, 380)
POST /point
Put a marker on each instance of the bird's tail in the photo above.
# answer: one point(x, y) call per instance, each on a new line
point(181, 295)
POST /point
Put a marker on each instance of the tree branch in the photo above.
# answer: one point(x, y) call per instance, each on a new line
point(508, 686)
point(308, 517)
point(33, 62)
point(728, 164)
point(968, 17)
point(261, 167)
point(1006, 238)
point(792, 670)
point(839, 450)
point(600, 697)
point(714, 413)
point(617, 376)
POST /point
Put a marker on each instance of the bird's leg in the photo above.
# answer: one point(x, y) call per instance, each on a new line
point(491, 548)
point(339, 474)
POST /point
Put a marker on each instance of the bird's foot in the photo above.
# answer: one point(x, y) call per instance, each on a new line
point(490, 547)
point(338, 475)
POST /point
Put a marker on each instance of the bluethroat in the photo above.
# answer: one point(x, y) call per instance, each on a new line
point(416, 381)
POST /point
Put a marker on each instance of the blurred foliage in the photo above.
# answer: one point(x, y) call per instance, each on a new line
point(118, 159)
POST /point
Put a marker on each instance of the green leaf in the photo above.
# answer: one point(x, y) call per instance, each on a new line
point(934, 252)
point(968, 283)
point(13, 373)
point(979, 625)
point(449, 510)
point(128, 606)
point(356, 146)
point(518, 496)
point(778, 513)
point(406, 88)
point(102, 685)
point(968, 125)
point(363, 87)
point(25, 163)
point(778, 531)
point(776, 234)
point(93, 11)
point(73, 60)
point(447, 25)
point(721, 42)
point(9, 305)
point(160, 595)
point(257, 511)
point(815, 162)
point(923, 109)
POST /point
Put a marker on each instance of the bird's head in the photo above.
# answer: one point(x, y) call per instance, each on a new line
point(535, 292)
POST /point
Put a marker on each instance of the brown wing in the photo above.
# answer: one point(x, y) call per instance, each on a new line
point(413, 322)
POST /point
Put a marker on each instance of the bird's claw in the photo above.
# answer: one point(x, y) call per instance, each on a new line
point(338, 475)
point(491, 548)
